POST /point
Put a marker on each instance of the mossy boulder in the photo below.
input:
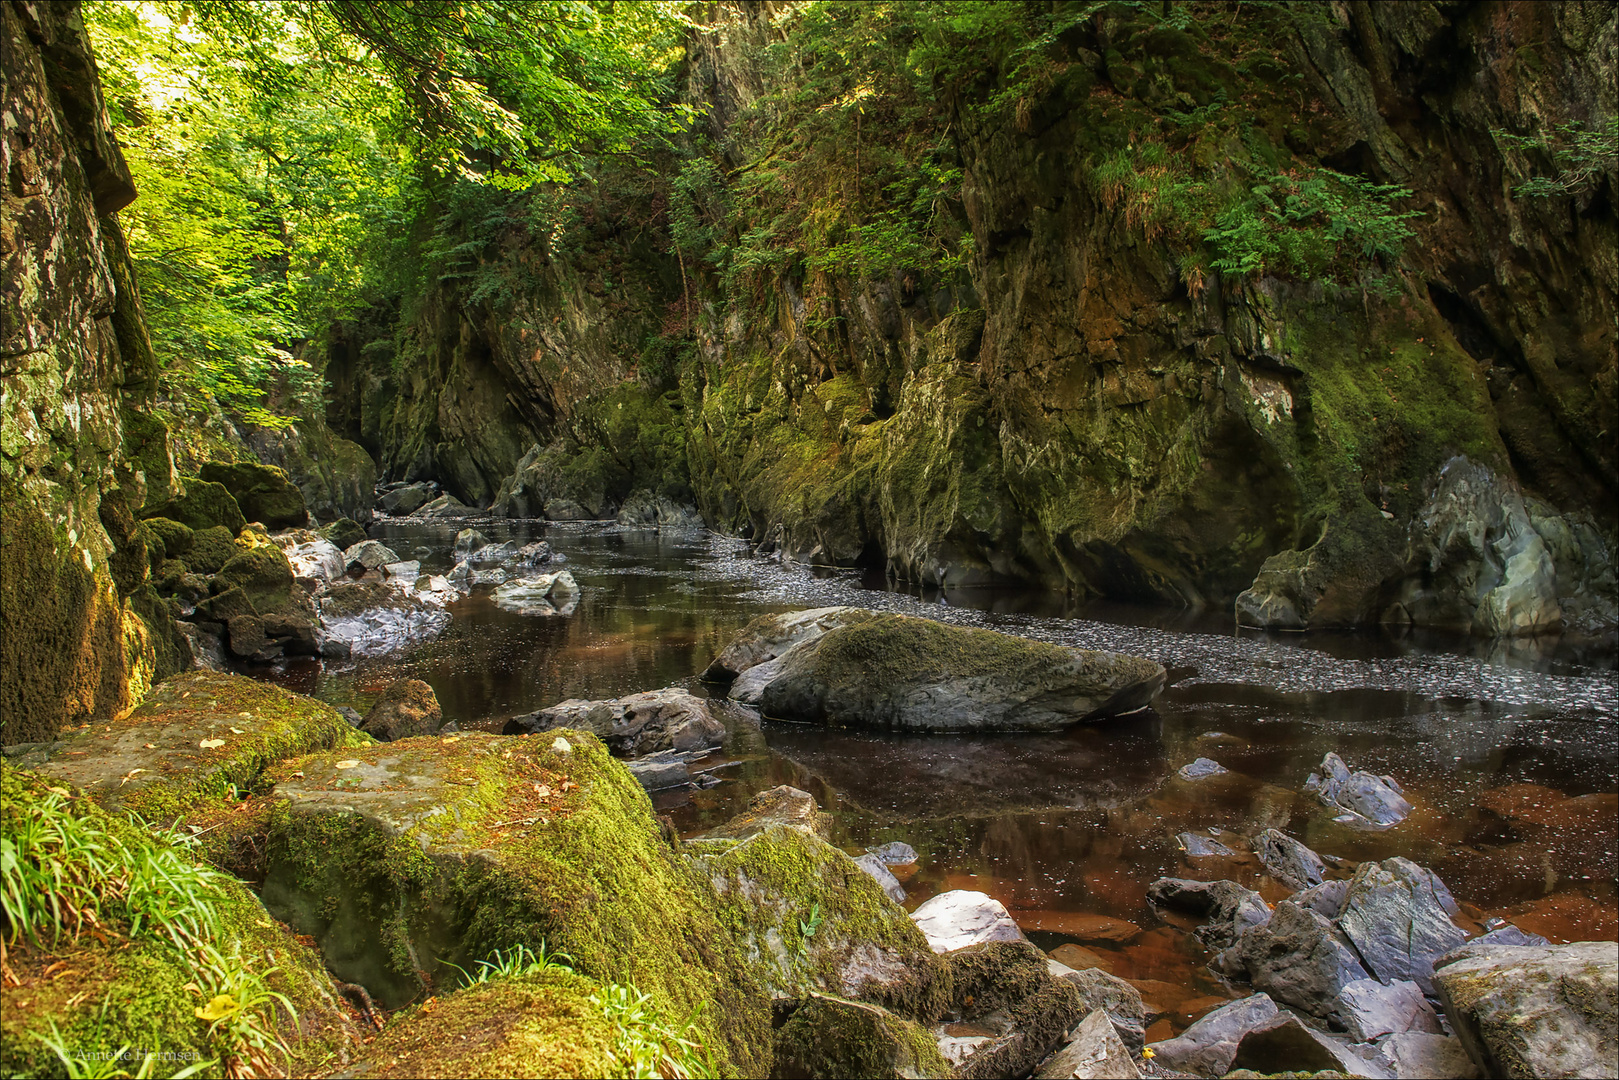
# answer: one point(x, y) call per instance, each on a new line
point(198, 736)
point(344, 532)
point(211, 548)
point(831, 1037)
point(1008, 986)
point(906, 673)
point(123, 988)
point(810, 920)
point(203, 506)
point(403, 859)
point(175, 537)
point(541, 1024)
point(265, 577)
point(262, 491)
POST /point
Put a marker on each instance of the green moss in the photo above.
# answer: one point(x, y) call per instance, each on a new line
point(344, 532)
point(809, 919)
point(175, 537)
point(828, 1037)
point(203, 506)
point(1012, 977)
point(262, 491)
point(265, 577)
point(211, 548)
point(469, 859)
point(146, 449)
point(130, 559)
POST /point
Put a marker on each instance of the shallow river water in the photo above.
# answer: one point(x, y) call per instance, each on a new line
point(1510, 753)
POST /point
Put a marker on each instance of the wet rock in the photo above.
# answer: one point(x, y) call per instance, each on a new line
point(962, 918)
point(316, 562)
point(1509, 935)
point(207, 646)
point(455, 847)
point(833, 1037)
point(894, 853)
point(1361, 799)
point(1534, 1011)
point(263, 492)
point(1285, 1044)
point(769, 636)
point(900, 672)
point(1200, 768)
point(367, 618)
point(544, 594)
point(369, 555)
point(1208, 1047)
point(408, 707)
point(495, 576)
point(879, 872)
point(785, 806)
point(1299, 959)
point(660, 771)
point(639, 724)
point(1008, 987)
point(642, 507)
point(406, 500)
point(445, 506)
point(1325, 899)
point(1228, 909)
point(813, 921)
point(344, 533)
point(566, 510)
point(1287, 860)
point(1111, 994)
point(1397, 923)
point(468, 541)
point(247, 638)
point(1198, 846)
point(1418, 1055)
point(1094, 1050)
point(1370, 1009)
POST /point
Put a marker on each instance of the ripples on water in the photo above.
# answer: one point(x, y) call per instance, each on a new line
point(1510, 753)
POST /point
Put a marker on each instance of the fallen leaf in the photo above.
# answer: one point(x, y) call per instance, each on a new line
point(209, 744)
point(349, 764)
point(151, 746)
point(238, 731)
point(62, 791)
point(542, 791)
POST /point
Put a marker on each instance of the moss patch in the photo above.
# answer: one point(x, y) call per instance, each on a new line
point(211, 549)
point(827, 1037)
point(203, 506)
point(263, 492)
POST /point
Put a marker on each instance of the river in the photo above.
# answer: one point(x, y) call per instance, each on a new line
point(1509, 752)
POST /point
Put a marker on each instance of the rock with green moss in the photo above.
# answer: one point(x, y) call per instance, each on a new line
point(546, 1023)
point(831, 1037)
point(204, 505)
point(344, 533)
point(211, 548)
point(1534, 1011)
point(405, 860)
point(265, 576)
point(408, 707)
point(809, 919)
point(900, 672)
point(778, 806)
point(263, 492)
point(768, 636)
point(198, 738)
point(176, 537)
point(1007, 987)
point(129, 987)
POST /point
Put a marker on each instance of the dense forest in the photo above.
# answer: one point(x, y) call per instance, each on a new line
point(333, 329)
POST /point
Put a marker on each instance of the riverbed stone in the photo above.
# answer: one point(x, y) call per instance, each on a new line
point(406, 500)
point(894, 853)
point(810, 920)
point(832, 1037)
point(901, 672)
point(1228, 909)
point(1325, 899)
point(367, 618)
point(1094, 1051)
point(1119, 999)
point(1008, 987)
point(1201, 768)
point(344, 533)
point(1208, 1046)
point(1299, 959)
point(204, 505)
point(640, 724)
point(961, 918)
point(408, 707)
point(769, 636)
point(1398, 925)
point(198, 736)
point(1359, 798)
point(1288, 861)
point(369, 555)
point(1370, 1009)
point(781, 805)
point(661, 771)
point(448, 849)
point(316, 562)
point(1198, 846)
point(542, 594)
point(1534, 1011)
point(445, 506)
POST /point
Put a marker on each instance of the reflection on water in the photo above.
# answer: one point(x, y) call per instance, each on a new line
point(1510, 754)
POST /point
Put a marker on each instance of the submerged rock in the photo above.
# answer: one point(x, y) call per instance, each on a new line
point(962, 918)
point(1198, 846)
point(901, 672)
point(894, 853)
point(1287, 860)
point(1366, 801)
point(408, 707)
point(1200, 768)
point(545, 594)
point(640, 724)
point(1526, 1011)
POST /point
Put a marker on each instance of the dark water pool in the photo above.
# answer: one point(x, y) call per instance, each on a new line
point(1510, 753)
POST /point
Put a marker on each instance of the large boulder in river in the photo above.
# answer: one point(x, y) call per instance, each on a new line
point(1396, 916)
point(640, 724)
point(900, 672)
point(405, 861)
point(1535, 1011)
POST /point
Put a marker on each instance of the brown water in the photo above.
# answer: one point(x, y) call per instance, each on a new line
point(1510, 753)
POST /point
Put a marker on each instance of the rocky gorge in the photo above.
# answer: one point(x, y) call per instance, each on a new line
point(650, 658)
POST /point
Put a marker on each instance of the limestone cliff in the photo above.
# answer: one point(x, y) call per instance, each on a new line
point(1086, 408)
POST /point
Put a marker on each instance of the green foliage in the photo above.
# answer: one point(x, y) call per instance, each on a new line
point(649, 1046)
point(1579, 154)
point(516, 962)
point(1313, 225)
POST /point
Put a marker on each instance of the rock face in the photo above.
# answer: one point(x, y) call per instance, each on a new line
point(408, 707)
point(1397, 921)
point(1534, 1011)
point(640, 724)
point(1209, 1046)
point(898, 672)
point(1094, 1052)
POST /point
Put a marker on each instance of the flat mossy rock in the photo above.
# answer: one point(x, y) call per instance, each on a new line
point(263, 492)
point(809, 919)
point(197, 736)
point(104, 995)
point(900, 672)
point(542, 1024)
point(403, 859)
point(203, 506)
point(830, 1037)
